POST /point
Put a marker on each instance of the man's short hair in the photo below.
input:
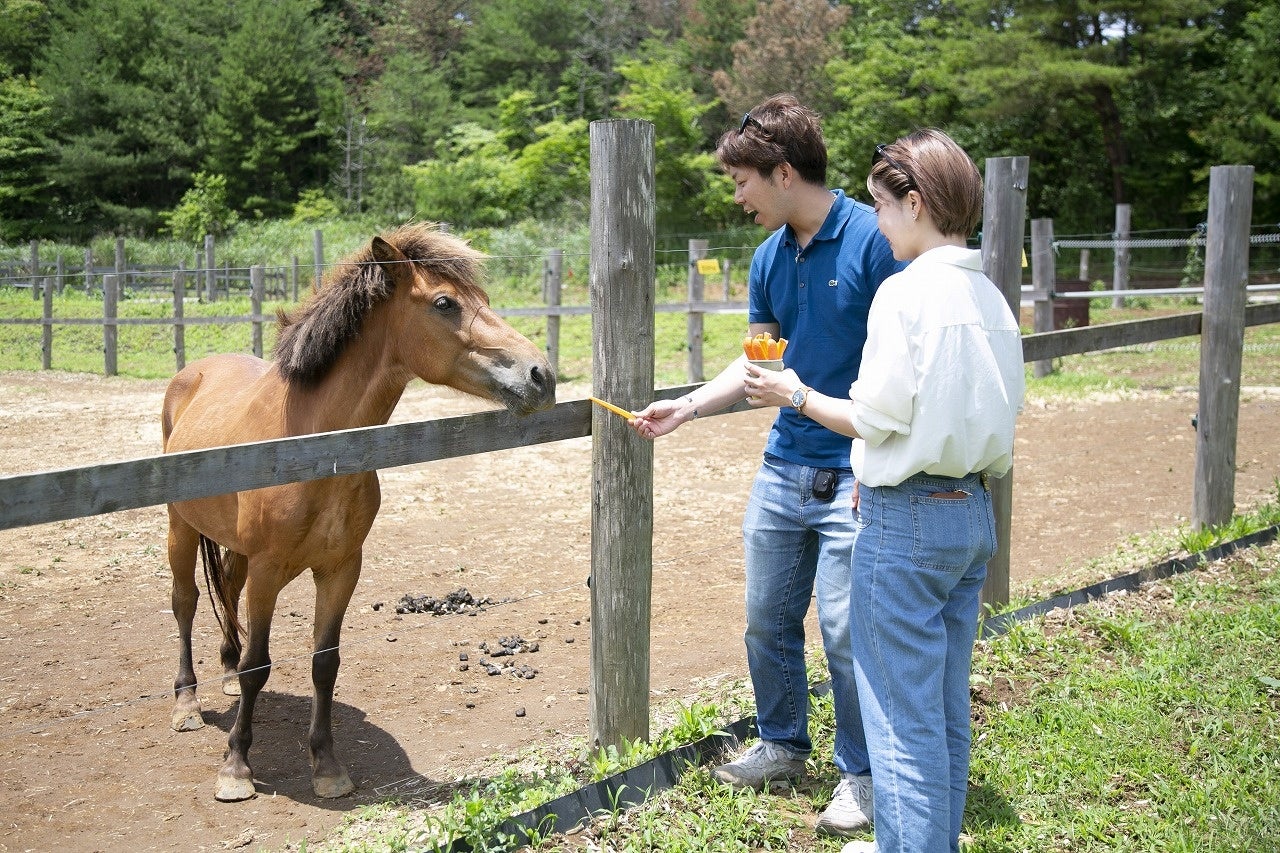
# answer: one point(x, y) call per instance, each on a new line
point(776, 131)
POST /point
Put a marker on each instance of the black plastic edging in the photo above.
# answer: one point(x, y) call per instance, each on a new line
point(622, 790)
point(997, 625)
point(633, 787)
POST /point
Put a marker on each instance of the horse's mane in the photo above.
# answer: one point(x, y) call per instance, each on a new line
point(313, 336)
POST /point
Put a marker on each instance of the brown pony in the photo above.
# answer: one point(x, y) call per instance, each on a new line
point(410, 304)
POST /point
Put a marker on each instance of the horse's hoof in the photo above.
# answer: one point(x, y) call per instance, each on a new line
point(231, 685)
point(333, 786)
point(232, 789)
point(186, 720)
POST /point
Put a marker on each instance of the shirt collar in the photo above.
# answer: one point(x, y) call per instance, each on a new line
point(833, 225)
point(955, 256)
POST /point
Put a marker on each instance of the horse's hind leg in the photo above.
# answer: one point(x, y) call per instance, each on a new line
point(236, 570)
point(333, 593)
point(183, 543)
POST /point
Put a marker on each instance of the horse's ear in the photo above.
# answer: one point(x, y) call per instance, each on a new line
point(393, 262)
point(385, 253)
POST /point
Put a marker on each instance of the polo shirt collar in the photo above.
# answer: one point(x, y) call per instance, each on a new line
point(832, 226)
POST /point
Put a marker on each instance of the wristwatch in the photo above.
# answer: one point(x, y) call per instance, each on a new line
point(799, 397)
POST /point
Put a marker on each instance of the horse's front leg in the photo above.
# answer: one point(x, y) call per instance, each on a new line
point(333, 592)
point(183, 544)
point(235, 779)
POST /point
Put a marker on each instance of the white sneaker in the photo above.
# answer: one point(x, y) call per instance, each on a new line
point(762, 763)
point(859, 847)
point(851, 809)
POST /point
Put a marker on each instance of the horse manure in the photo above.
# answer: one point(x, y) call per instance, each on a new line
point(459, 601)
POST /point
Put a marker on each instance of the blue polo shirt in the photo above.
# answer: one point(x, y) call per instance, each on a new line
point(819, 296)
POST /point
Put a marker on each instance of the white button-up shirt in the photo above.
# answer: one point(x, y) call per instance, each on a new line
point(942, 374)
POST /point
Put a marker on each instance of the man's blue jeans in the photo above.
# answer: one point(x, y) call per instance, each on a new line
point(797, 545)
point(918, 567)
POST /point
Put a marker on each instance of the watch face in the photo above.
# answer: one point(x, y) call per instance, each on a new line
point(797, 397)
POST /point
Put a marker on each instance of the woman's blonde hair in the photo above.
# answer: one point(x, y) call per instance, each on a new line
point(931, 163)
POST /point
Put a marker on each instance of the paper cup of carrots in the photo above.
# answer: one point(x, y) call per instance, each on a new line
point(763, 351)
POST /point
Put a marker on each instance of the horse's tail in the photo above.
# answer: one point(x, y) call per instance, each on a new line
point(215, 581)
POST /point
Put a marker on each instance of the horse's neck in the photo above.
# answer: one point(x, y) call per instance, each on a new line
point(361, 389)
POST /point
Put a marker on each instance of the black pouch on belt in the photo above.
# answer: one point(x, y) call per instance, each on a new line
point(824, 483)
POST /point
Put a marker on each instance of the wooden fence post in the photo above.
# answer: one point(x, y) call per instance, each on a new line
point(60, 275)
point(88, 271)
point(623, 242)
point(35, 270)
point(1003, 213)
point(179, 328)
point(46, 330)
point(1226, 274)
point(1120, 271)
point(1043, 277)
point(317, 254)
point(694, 321)
point(727, 284)
point(256, 286)
point(552, 283)
point(1084, 265)
point(293, 277)
point(210, 279)
point(110, 296)
point(122, 266)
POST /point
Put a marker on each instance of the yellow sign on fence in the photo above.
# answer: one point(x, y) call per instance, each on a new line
point(708, 266)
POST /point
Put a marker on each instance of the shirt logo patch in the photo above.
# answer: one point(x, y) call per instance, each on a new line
point(831, 283)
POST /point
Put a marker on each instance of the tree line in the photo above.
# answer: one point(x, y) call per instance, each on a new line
point(142, 117)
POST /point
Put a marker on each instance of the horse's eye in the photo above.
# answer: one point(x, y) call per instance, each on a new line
point(444, 303)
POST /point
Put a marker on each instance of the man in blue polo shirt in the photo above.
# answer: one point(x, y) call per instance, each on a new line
point(811, 282)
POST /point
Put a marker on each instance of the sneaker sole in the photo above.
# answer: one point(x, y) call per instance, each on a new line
point(738, 782)
point(835, 830)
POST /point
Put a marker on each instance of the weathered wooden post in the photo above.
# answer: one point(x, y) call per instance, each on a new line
point(1226, 274)
point(60, 275)
point(88, 271)
point(179, 328)
point(726, 283)
point(1004, 211)
point(1084, 265)
point(293, 277)
point(317, 254)
point(46, 327)
point(35, 270)
point(694, 322)
point(623, 293)
point(1042, 282)
point(552, 284)
point(210, 275)
point(122, 266)
point(110, 296)
point(1120, 271)
point(256, 286)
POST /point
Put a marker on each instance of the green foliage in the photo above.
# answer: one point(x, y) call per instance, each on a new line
point(478, 113)
point(277, 99)
point(202, 210)
point(314, 206)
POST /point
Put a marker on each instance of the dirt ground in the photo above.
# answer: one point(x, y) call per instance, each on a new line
point(88, 645)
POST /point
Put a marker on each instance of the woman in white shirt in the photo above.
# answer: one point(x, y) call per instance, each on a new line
point(932, 414)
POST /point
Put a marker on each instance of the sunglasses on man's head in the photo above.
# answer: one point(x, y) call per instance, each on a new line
point(747, 120)
point(881, 155)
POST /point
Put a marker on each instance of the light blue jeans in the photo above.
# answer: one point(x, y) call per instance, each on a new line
point(796, 546)
point(918, 567)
